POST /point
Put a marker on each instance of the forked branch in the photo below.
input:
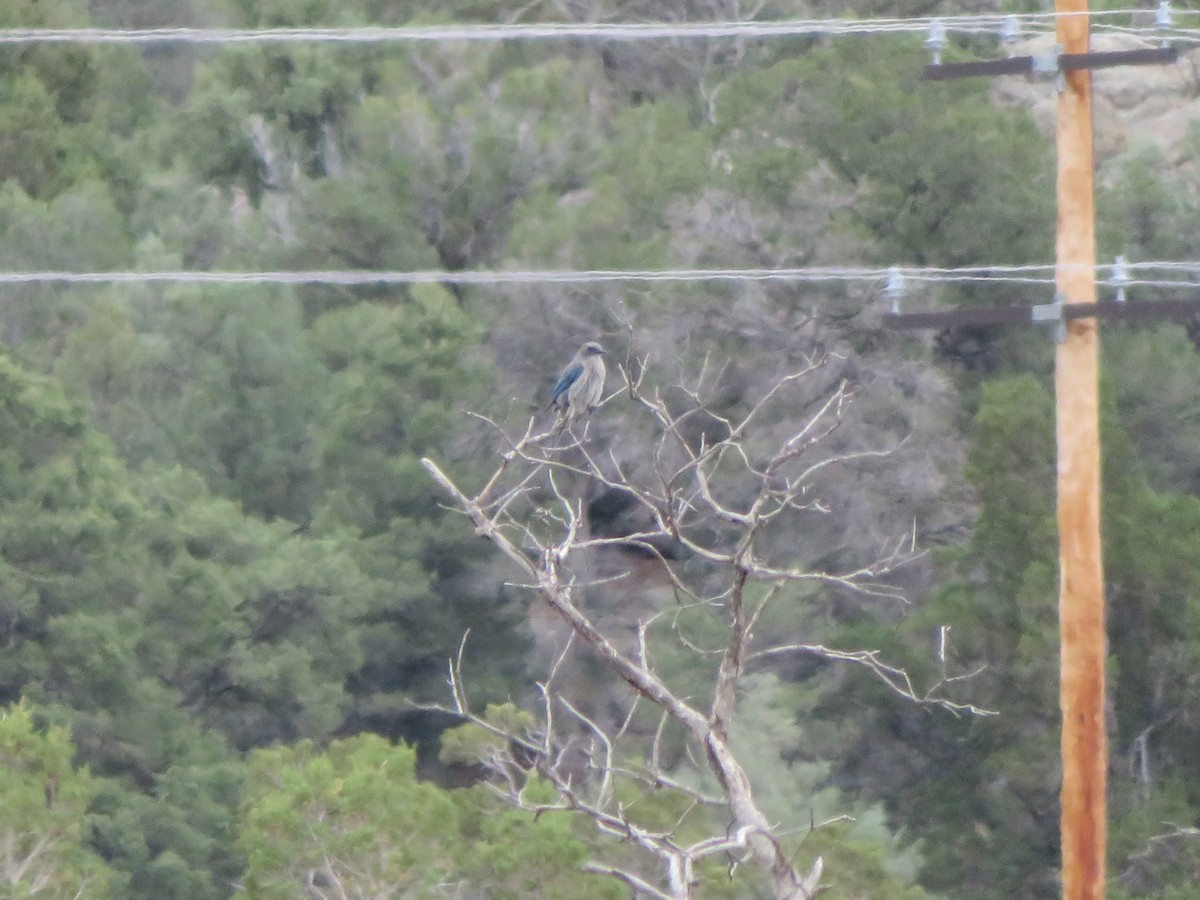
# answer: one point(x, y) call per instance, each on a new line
point(710, 502)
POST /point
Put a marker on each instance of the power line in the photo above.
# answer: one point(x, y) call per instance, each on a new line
point(471, 277)
point(614, 31)
point(1027, 23)
point(993, 274)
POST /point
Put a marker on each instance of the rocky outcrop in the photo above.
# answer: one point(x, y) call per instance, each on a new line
point(1133, 106)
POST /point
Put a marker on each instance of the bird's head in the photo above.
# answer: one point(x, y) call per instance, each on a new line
point(592, 348)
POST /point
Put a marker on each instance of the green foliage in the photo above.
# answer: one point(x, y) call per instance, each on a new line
point(795, 790)
point(657, 155)
point(177, 840)
point(1153, 377)
point(995, 783)
point(64, 107)
point(65, 553)
point(35, 140)
point(221, 381)
point(1012, 463)
point(995, 793)
point(355, 817)
point(44, 798)
point(213, 138)
point(399, 379)
point(80, 227)
point(86, 576)
point(1152, 852)
point(510, 854)
point(257, 556)
point(252, 623)
point(1143, 212)
point(948, 179)
point(470, 743)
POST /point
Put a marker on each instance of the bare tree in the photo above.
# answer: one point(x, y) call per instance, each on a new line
point(713, 510)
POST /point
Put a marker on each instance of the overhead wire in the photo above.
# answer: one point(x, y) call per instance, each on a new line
point(502, 277)
point(1028, 23)
point(981, 23)
point(1042, 274)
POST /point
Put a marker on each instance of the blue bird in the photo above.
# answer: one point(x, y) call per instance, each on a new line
point(581, 384)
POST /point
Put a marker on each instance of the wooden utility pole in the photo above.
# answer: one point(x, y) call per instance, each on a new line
point(1076, 384)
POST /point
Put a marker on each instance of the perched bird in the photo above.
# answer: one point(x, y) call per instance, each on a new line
point(581, 383)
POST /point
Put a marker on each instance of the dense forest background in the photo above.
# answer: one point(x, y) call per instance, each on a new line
point(227, 587)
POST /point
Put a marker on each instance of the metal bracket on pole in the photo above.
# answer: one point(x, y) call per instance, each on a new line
point(1047, 64)
point(1052, 313)
point(1051, 66)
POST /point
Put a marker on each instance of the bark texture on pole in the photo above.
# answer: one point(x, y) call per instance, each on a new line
point(1081, 597)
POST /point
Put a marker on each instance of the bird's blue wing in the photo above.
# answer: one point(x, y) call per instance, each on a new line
point(569, 376)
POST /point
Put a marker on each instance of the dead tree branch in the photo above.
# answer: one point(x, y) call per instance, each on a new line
point(706, 488)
